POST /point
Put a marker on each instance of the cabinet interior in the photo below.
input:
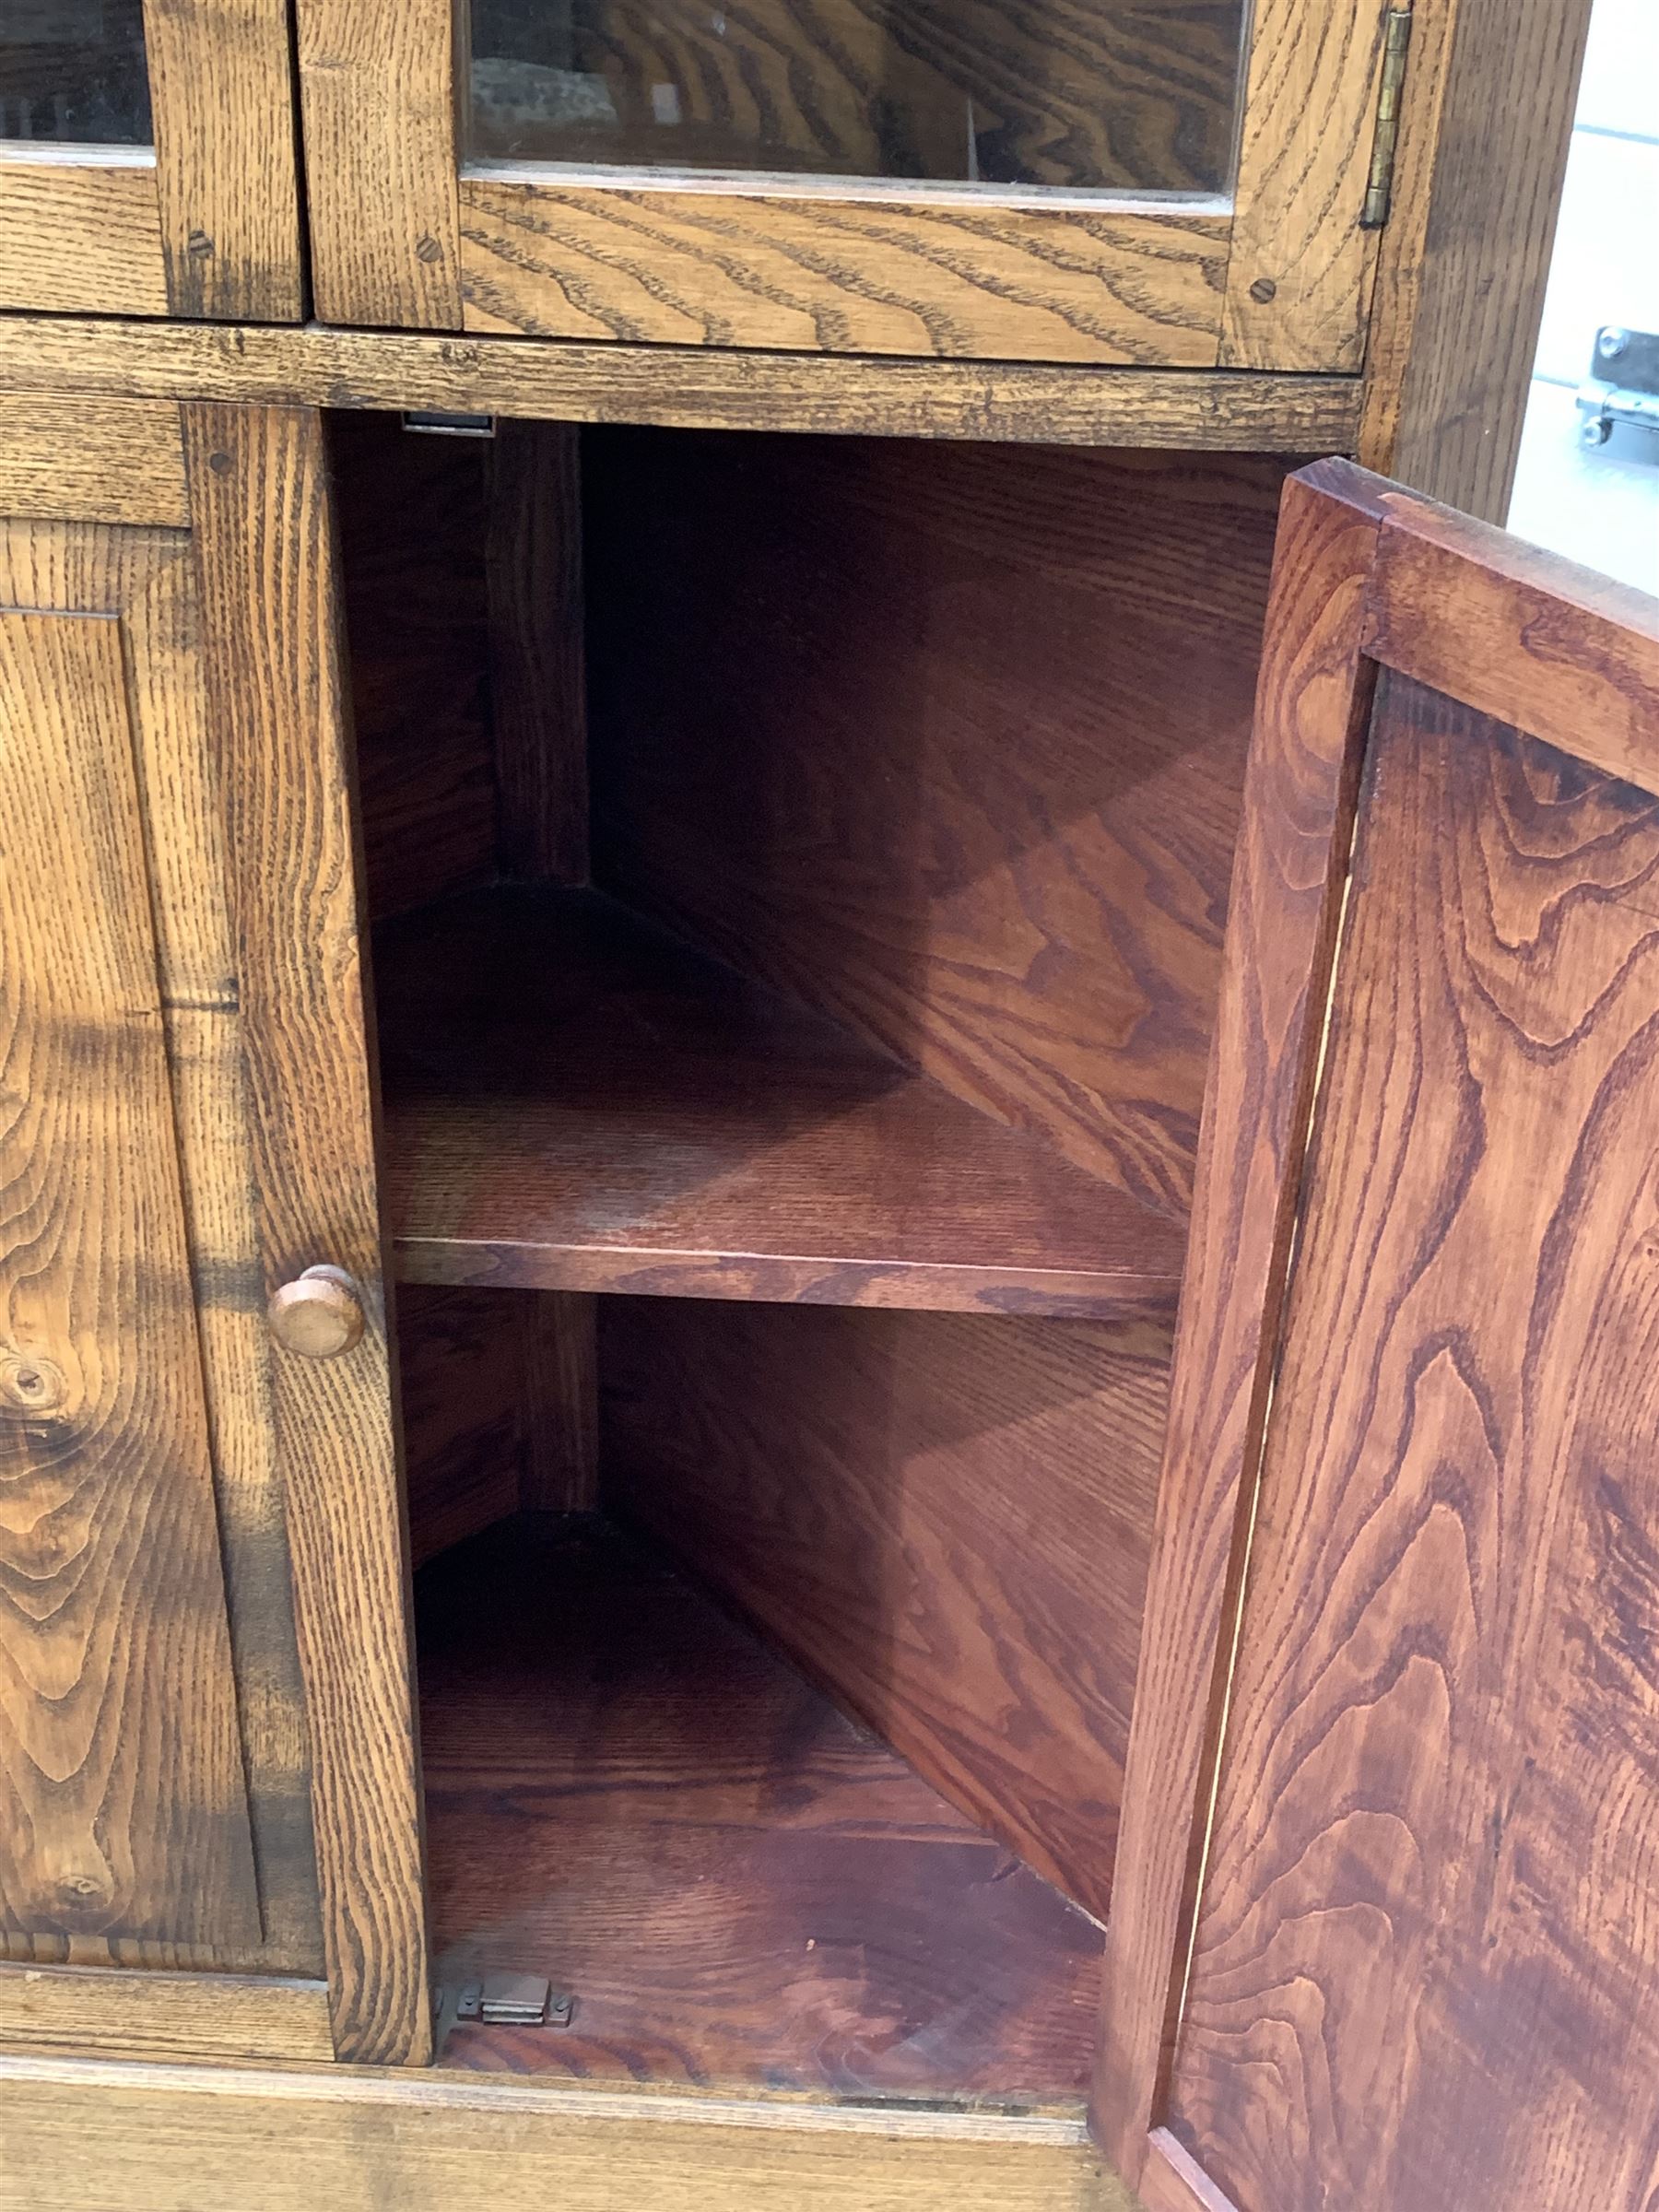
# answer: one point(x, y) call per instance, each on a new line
point(799, 868)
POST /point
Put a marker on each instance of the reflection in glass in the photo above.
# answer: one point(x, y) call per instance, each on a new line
point(1132, 94)
point(73, 71)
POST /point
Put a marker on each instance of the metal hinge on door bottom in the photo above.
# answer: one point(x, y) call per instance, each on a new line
point(432, 422)
point(1379, 184)
point(505, 2001)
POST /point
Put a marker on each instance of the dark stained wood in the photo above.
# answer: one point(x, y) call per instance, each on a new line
point(267, 564)
point(460, 1380)
point(1424, 1963)
point(1287, 887)
point(498, 1399)
point(948, 744)
point(537, 681)
point(575, 1100)
point(413, 513)
point(123, 1811)
point(1462, 264)
point(945, 1518)
point(1521, 634)
point(631, 1795)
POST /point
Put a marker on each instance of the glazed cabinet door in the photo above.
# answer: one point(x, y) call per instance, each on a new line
point(1386, 1928)
point(209, 1840)
point(1155, 182)
point(147, 162)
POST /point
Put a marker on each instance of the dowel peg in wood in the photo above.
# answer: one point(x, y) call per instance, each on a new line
point(318, 1314)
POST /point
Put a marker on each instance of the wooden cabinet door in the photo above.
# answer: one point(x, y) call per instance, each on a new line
point(1386, 1926)
point(209, 1836)
point(147, 162)
point(1165, 185)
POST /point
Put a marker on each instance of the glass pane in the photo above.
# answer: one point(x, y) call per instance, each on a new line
point(73, 70)
point(1132, 94)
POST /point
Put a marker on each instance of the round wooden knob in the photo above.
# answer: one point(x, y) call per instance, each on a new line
point(318, 1314)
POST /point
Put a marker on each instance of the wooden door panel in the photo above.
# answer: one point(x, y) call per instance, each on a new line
point(1275, 272)
point(121, 1793)
point(1393, 1937)
point(1434, 1840)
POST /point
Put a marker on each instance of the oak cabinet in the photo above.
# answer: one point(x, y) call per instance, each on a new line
point(207, 1794)
point(147, 160)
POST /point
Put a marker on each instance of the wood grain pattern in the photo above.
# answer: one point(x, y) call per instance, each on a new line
point(80, 458)
point(227, 164)
point(498, 1399)
point(1298, 274)
point(943, 1517)
point(689, 387)
point(575, 1100)
point(629, 1793)
point(161, 2016)
point(1520, 634)
point(377, 95)
point(81, 2135)
point(1129, 96)
point(147, 578)
point(417, 613)
point(844, 275)
point(1291, 862)
point(1460, 274)
point(996, 839)
point(81, 235)
point(1427, 1931)
point(121, 1783)
point(537, 680)
point(269, 599)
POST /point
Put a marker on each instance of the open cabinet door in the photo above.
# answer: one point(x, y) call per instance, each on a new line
point(1384, 1932)
point(209, 1835)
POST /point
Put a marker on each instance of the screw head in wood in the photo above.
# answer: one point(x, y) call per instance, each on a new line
point(318, 1314)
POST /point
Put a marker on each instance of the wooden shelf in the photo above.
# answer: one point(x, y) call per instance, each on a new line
point(629, 1793)
point(575, 1100)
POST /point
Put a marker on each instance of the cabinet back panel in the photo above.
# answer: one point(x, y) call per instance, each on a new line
point(1424, 1963)
point(944, 1518)
point(948, 742)
point(412, 521)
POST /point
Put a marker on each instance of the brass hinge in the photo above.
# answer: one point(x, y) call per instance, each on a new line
point(1379, 185)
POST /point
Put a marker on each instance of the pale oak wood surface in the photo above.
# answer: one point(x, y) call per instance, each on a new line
point(164, 2015)
point(376, 82)
point(845, 276)
point(75, 457)
point(269, 590)
point(691, 387)
point(149, 578)
point(227, 167)
point(1300, 269)
point(190, 2139)
point(122, 1795)
point(81, 236)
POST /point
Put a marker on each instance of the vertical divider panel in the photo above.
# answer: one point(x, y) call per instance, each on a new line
point(377, 87)
point(1287, 892)
point(226, 159)
point(271, 615)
